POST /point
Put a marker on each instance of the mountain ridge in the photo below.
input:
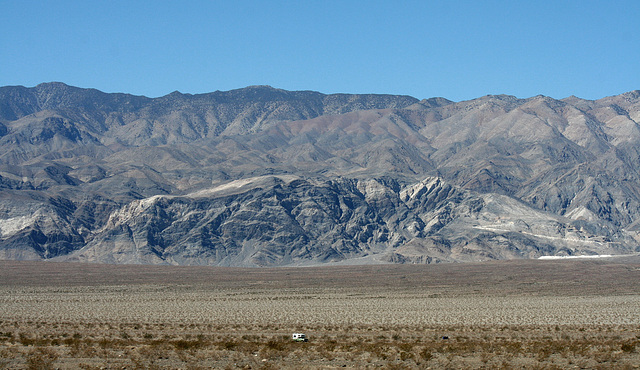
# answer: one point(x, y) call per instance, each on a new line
point(525, 177)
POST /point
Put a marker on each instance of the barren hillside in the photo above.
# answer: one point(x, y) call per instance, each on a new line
point(267, 177)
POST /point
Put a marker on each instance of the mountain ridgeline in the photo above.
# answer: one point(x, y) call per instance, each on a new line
point(266, 177)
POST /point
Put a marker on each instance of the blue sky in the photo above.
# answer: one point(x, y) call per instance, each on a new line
point(455, 49)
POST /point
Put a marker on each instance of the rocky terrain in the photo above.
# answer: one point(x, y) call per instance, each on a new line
point(267, 177)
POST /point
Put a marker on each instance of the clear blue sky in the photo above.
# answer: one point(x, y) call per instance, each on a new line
point(455, 49)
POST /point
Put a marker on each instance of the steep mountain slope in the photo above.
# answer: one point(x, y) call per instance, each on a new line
point(261, 176)
point(283, 220)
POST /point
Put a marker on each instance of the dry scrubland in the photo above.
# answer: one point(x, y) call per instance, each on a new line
point(531, 314)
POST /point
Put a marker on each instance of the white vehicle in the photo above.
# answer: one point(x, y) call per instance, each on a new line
point(299, 337)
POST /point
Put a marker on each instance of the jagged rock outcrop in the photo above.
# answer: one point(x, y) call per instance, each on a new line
point(285, 220)
point(262, 176)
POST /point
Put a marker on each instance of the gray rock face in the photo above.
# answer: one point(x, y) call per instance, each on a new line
point(264, 177)
point(285, 220)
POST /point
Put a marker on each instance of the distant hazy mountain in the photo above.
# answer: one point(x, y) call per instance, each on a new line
point(263, 177)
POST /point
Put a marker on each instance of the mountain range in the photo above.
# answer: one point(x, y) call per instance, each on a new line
point(261, 176)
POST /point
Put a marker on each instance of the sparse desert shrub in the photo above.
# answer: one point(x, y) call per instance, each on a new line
point(28, 340)
point(4, 358)
point(330, 345)
point(152, 353)
point(628, 347)
point(5, 336)
point(407, 347)
point(426, 354)
point(279, 344)
point(183, 344)
point(404, 356)
point(545, 349)
point(105, 343)
point(41, 358)
point(228, 345)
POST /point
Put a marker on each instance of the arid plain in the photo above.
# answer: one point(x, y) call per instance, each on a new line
point(524, 313)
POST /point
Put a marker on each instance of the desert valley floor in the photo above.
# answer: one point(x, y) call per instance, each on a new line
point(523, 313)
